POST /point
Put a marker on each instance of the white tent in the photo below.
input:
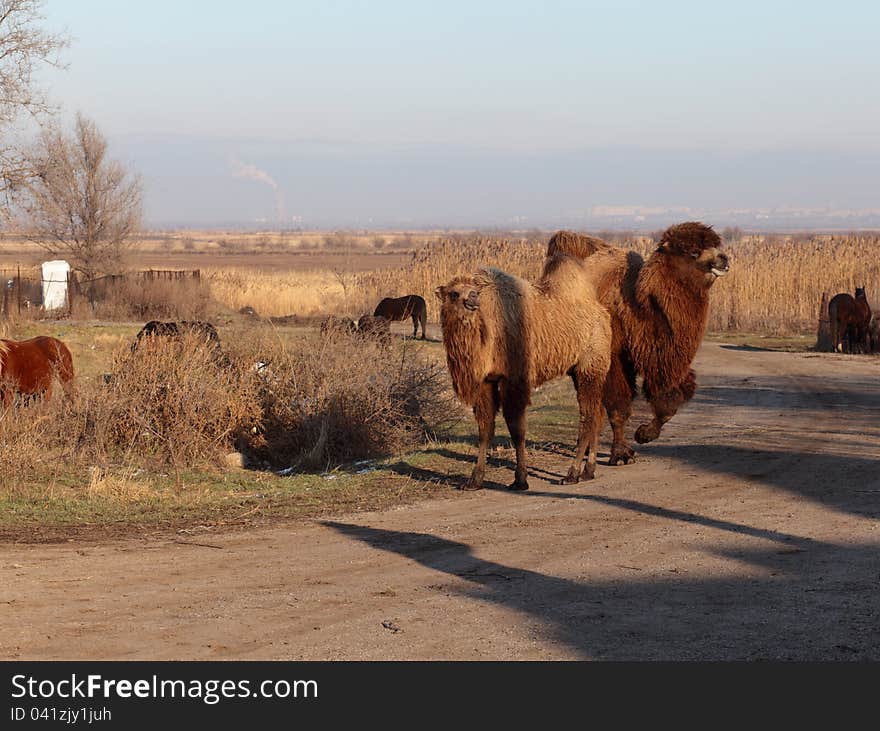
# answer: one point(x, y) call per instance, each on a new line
point(55, 275)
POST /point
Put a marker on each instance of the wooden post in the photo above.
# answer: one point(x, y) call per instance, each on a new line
point(823, 334)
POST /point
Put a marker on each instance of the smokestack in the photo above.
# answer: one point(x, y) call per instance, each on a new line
point(252, 172)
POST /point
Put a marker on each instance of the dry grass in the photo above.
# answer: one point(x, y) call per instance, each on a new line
point(314, 403)
point(278, 293)
point(775, 285)
point(345, 398)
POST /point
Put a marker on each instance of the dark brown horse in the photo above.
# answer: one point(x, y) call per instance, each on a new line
point(27, 367)
point(399, 308)
point(849, 318)
point(375, 327)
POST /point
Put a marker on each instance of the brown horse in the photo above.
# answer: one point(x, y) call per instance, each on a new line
point(399, 308)
point(849, 318)
point(375, 327)
point(27, 367)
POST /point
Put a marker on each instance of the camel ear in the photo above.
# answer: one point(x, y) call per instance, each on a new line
point(440, 293)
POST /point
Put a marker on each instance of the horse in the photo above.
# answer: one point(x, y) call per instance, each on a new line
point(176, 330)
point(849, 318)
point(874, 334)
point(400, 308)
point(376, 327)
point(27, 367)
point(335, 325)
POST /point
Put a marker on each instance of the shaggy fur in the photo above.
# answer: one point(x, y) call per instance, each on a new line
point(504, 337)
point(400, 308)
point(659, 309)
point(29, 366)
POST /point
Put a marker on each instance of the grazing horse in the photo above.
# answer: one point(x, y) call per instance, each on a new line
point(375, 327)
point(27, 367)
point(849, 318)
point(176, 330)
point(399, 308)
point(335, 325)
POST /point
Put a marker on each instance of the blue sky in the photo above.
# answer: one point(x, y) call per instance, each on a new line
point(395, 81)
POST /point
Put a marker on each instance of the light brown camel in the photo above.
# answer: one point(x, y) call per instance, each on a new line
point(505, 336)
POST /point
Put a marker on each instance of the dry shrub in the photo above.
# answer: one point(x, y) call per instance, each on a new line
point(29, 437)
point(170, 402)
point(145, 299)
point(343, 398)
point(157, 299)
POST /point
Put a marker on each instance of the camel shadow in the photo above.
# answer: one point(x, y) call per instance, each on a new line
point(852, 484)
point(492, 461)
point(802, 610)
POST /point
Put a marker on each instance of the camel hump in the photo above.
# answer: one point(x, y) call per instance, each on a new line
point(579, 245)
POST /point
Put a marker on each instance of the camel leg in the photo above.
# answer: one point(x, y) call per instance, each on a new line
point(618, 396)
point(514, 405)
point(665, 406)
point(589, 393)
point(485, 410)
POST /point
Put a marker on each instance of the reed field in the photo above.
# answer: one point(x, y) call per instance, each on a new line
point(775, 285)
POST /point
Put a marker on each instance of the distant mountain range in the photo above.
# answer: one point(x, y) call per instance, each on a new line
point(242, 183)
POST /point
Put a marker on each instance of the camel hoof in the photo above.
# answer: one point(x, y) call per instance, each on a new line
point(471, 486)
point(588, 473)
point(624, 455)
point(570, 479)
point(646, 433)
point(518, 486)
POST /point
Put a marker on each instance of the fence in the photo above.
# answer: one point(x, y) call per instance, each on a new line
point(23, 286)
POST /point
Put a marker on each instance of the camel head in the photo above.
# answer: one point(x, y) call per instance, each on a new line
point(695, 249)
point(459, 298)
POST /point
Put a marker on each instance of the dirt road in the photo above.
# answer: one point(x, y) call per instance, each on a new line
point(749, 530)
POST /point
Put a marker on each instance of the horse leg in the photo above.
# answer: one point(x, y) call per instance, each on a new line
point(835, 329)
point(617, 397)
point(589, 395)
point(415, 319)
point(514, 405)
point(423, 318)
point(485, 409)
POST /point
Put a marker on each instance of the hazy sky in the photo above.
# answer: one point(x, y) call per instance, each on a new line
point(399, 88)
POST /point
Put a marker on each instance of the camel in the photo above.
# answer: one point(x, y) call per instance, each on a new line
point(659, 309)
point(505, 336)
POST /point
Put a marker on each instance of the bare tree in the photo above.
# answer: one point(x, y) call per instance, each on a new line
point(80, 204)
point(24, 47)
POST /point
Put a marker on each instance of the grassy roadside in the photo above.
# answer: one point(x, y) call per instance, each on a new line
point(73, 501)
